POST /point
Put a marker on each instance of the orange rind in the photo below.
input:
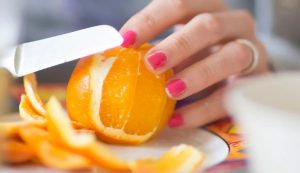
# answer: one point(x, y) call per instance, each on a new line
point(184, 157)
point(10, 129)
point(50, 153)
point(30, 86)
point(28, 113)
point(15, 151)
point(84, 143)
point(178, 159)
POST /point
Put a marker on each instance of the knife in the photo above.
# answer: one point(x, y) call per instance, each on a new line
point(34, 56)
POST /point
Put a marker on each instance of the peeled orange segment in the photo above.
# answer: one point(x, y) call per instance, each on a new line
point(49, 153)
point(30, 85)
point(28, 113)
point(15, 151)
point(117, 96)
point(98, 73)
point(178, 159)
point(83, 143)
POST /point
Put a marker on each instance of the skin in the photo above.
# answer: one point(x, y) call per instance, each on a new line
point(203, 50)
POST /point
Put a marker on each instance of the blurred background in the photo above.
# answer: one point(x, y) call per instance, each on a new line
point(23, 21)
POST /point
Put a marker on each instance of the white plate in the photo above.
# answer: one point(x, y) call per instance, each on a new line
point(214, 148)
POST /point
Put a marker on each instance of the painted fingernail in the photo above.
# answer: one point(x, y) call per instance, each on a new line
point(157, 60)
point(175, 121)
point(175, 87)
point(129, 38)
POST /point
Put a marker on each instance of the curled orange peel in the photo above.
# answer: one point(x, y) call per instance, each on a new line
point(30, 86)
point(50, 153)
point(60, 143)
point(10, 129)
point(31, 108)
point(178, 159)
point(28, 113)
point(85, 143)
point(61, 127)
point(15, 151)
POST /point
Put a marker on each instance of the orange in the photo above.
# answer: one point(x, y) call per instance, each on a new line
point(114, 94)
point(181, 158)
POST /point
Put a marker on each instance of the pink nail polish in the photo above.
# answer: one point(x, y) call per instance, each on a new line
point(157, 60)
point(129, 38)
point(175, 87)
point(175, 121)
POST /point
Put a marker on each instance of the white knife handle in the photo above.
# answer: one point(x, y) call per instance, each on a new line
point(7, 61)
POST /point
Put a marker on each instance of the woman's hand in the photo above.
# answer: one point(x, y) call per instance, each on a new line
point(203, 52)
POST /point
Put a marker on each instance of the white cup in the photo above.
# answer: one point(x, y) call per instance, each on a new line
point(268, 112)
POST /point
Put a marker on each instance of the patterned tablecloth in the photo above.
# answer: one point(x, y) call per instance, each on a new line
point(225, 128)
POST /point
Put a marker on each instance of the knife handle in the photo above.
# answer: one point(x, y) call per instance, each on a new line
point(7, 61)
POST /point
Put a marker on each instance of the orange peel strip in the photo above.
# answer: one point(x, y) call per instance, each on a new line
point(10, 129)
point(178, 159)
point(15, 151)
point(30, 85)
point(60, 126)
point(50, 154)
point(186, 157)
point(31, 107)
point(85, 143)
point(28, 113)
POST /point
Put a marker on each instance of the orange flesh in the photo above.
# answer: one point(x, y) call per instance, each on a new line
point(119, 87)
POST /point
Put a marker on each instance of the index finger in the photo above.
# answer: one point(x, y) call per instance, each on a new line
point(162, 14)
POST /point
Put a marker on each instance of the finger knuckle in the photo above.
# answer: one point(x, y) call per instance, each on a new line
point(181, 5)
point(211, 23)
point(242, 53)
point(207, 71)
point(147, 19)
point(182, 43)
point(248, 19)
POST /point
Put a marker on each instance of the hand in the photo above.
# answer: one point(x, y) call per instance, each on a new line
point(203, 52)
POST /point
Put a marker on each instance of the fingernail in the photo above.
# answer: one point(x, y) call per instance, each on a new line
point(175, 87)
point(129, 38)
point(157, 60)
point(175, 121)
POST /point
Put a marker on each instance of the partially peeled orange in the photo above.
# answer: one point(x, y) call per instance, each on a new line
point(116, 95)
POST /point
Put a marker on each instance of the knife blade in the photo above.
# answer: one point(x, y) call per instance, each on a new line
point(34, 56)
